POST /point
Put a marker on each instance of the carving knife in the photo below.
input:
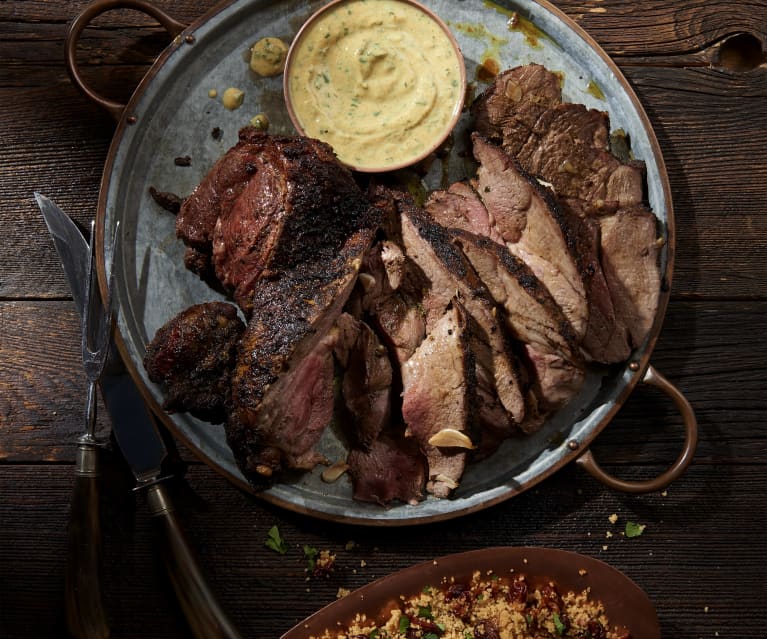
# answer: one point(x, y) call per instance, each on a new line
point(142, 446)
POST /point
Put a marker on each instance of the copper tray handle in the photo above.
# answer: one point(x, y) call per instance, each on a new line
point(94, 9)
point(653, 378)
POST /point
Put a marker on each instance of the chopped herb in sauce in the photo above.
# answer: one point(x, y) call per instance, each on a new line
point(374, 59)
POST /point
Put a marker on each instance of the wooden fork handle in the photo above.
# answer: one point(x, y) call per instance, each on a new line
point(85, 614)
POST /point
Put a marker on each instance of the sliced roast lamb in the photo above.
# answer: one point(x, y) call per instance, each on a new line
point(461, 207)
point(282, 388)
point(367, 378)
point(542, 237)
point(606, 339)
point(568, 146)
point(565, 144)
point(212, 199)
point(449, 274)
point(629, 248)
point(533, 317)
point(439, 400)
point(393, 468)
point(192, 356)
point(509, 108)
point(264, 204)
point(567, 149)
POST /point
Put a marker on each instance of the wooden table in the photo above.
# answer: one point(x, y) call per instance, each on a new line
point(695, 66)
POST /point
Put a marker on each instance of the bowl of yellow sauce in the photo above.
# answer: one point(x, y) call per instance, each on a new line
point(382, 81)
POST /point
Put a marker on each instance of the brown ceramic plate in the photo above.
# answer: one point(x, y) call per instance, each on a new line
point(626, 605)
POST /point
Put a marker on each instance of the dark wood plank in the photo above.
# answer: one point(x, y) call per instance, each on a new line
point(42, 383)
point(719, 220)
point(656, 28)
point(265, 593)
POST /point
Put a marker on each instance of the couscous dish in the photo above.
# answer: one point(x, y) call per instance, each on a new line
point(487, 607)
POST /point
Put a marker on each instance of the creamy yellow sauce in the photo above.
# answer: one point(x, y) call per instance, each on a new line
point(379, 80)
point(267, 57)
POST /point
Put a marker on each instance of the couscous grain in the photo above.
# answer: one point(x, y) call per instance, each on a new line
point(488, 607)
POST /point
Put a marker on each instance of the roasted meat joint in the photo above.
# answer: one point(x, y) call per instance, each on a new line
point(424, 336)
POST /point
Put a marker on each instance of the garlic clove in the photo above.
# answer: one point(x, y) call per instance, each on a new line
point(451, 438)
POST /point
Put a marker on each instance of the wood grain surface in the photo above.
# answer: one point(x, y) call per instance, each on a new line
point(700, 71)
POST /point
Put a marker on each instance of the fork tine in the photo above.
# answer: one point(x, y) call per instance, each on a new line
point(97, 323)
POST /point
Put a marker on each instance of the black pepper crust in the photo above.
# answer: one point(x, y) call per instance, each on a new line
point(520, 271)
point(291, 313)
point(192, 356)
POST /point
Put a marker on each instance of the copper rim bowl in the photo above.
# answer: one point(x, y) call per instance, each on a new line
point(438, 138)
point(170, 115)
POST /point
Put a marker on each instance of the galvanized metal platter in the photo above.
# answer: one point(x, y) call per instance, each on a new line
point(171, 115)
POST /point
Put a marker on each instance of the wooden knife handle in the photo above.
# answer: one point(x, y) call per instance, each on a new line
point(85, 614)
point(205, 617)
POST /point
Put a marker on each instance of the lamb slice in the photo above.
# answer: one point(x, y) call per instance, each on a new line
point(606, 339)
point(367, 380)
point(192, 356)
point(629, 255)
point(461, 207)
point(532, 316)
point(449, 274)
point(391, 469)
point(510, 107)
point(533, 228)
point(582, 124)
point(494, 422)
point(399, 319)
point(283, 377)
point(438, 397)
point(531, 312)
point(213, 198)
point(575, 162)
point(387, 295)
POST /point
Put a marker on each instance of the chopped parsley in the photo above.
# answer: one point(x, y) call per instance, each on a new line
point(404, 624)
point(558, 625)
point(275, 541)
point(311, 556)
point(634, 529)
point(424, 612)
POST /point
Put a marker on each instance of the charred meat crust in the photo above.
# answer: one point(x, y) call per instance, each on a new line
point(451, 272)
point(192, 357)
point(266, 202)
point(291, 313)
point(564, 340)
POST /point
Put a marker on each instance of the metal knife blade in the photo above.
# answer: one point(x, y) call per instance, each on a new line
point(135, 432)
point(142, 446)
point(71, 246)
